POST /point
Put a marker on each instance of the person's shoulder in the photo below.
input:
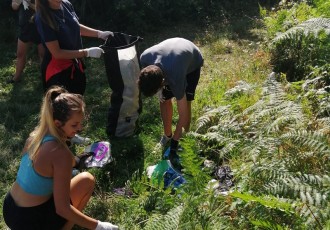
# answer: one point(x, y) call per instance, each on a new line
point(55, 151)
point(52, 146)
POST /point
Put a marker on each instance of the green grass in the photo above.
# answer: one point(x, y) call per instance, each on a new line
point(228, 58)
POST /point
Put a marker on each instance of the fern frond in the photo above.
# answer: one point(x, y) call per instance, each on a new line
point(315, 141)
point(229, 148)
point(212, 117)
point(267, 201)
point(272, 94)
point(311, 26)
point(307, 194)
point(273, 112)
point(324, 125)
point(260, 146)
point(241, 87)
point(267, 225)
point(167, 222)
point(285, 122)
point(311, 189)
point(273, 87)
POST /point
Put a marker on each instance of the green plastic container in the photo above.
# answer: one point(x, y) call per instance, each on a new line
point(157, 175)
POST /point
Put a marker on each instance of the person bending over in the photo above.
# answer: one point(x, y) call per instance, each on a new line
point(171, 69)
point(44, 195)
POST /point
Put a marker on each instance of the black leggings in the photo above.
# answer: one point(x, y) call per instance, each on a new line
point(39, 217)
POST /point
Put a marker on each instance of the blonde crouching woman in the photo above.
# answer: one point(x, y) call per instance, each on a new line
point(44, 195)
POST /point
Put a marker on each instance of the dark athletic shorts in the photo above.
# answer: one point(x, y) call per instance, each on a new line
point(27, 30)
point(72, 79)
point(192, 81)
point(39, 217)
point(29, 33)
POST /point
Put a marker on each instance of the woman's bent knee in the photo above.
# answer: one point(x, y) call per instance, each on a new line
point(86, 178)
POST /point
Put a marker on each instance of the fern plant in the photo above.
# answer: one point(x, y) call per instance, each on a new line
point(286, 160)
point(296, 51)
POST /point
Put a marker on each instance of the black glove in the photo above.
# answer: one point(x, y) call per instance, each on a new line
point(80, 160)
point(171, 154)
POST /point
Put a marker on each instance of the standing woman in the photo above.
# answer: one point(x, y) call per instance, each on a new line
point(27, 34)
point(44, 195)
point(61, 33)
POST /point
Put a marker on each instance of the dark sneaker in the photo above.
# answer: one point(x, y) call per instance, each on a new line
point(162, 143)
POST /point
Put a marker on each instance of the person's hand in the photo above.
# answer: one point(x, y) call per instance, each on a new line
point(17, 2)
point(104, 34)
point(25, 5)
point(171, 154)
point(160, 96)
point(80, 160)
point(106, 226)
point(94, 52)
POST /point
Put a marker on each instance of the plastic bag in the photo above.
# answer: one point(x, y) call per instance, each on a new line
point(101, 154)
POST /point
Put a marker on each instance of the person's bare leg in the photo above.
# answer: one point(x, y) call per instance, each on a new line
point(81, 188)
point(41, 52)
point(166, 112)
point(187, 126)
point(22, 49)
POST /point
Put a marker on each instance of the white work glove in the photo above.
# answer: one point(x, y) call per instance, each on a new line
point(160, 95)
point(26, 4)
point(105, 226)
point(104, 34)
point(94, 52)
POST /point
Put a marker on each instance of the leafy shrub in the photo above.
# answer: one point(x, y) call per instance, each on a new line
point(323, 7)
point(283, 181)
point(285, 16)
point(299, 49)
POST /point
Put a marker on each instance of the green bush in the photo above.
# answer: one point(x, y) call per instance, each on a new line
point(297, 51)
point(323, 7)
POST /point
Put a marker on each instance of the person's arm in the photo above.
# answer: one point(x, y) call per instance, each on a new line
point(87, 31)
point(59, 53)
point(62, 168)
point(90, 32)
point(15, 4)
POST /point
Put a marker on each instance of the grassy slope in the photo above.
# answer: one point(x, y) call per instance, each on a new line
point(231, 50)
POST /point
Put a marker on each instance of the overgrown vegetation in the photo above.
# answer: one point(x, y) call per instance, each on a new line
point(272, 130)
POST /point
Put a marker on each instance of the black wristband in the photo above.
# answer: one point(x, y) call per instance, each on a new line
point(174, 144)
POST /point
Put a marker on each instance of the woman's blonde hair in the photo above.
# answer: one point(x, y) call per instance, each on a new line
point(58, 104)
